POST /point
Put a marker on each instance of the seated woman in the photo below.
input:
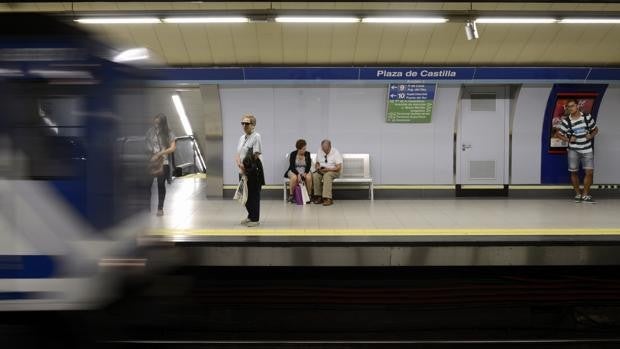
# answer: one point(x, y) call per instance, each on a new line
point(299, 168)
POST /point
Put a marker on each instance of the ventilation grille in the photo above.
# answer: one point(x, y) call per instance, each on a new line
point(482, 169)
point(483, 102)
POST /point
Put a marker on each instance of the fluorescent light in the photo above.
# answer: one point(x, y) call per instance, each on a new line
point(176, 100)
point(591, 20)
point(11, 72)
point(119, 20)
point(515, 20)
point(51, 124)
point(61, 74)
point(287, 19)
point(404, 20)
point(206, 20)
point(133, 54)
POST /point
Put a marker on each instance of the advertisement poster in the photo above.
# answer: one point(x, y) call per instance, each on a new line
point(586, 103)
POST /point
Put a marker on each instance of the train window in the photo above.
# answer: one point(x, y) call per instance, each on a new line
point(46, 132)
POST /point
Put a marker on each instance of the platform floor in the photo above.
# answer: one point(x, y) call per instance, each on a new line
point(187, 211)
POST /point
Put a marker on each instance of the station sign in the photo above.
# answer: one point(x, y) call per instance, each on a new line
point(410, 103)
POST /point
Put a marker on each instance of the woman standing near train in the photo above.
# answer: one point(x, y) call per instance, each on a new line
point(160, 143)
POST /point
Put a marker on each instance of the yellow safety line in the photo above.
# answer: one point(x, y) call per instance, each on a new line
point(386, 232)
point(194, 176)
point(411, 187)
point(540, 187)
point(483, 186)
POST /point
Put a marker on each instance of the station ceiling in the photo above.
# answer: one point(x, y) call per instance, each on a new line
point(271, 43)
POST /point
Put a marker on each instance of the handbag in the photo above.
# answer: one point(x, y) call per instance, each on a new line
point(304, 193)
point(156, 168)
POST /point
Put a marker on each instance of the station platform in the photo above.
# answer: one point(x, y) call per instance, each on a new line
point(442, 231)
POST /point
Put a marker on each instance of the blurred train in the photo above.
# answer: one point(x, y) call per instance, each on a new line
point(73, 188)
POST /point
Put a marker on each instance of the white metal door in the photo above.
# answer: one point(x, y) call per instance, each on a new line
point(482, 142)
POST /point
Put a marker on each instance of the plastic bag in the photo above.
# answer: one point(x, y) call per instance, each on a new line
point(241, 194)
point(304, 193)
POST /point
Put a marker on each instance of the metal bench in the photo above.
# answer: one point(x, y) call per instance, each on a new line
point(355, 170)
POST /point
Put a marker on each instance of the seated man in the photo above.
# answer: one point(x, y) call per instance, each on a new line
point(328, 167)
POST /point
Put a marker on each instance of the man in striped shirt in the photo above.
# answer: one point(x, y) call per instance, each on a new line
point(578, 130)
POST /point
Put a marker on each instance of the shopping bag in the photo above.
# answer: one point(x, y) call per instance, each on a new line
point(304, 193)
point(297, 195)
point(241, 194)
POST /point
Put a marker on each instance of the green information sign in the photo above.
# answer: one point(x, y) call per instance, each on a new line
point(410, 103)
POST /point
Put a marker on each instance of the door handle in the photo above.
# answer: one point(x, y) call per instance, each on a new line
point(465, 146)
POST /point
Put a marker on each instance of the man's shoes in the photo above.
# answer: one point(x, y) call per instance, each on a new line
point(587, 199)
point(317, 200)
point(328, 202)
point(578, 198)
point(245, 221)
point(252, 224)
point(291, 199)
point(160, 213)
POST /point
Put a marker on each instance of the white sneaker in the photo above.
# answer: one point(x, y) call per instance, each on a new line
point(587, 199)
point(252, 224)
point(245, 221)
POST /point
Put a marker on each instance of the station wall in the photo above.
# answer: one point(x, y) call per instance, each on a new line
point(353, 117)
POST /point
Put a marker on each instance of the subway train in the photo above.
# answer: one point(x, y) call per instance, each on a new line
point(73, 187)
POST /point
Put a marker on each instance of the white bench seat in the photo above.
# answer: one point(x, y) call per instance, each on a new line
point(355, 170)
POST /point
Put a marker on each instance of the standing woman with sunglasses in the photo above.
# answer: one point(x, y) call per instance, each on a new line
point(250, 147)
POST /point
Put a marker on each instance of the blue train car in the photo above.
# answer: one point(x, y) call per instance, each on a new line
point(71, 196)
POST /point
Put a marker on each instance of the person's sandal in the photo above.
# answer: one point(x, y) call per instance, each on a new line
point(328, 202)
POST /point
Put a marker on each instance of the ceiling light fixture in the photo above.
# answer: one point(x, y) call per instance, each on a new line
point(287, 19)
point(132, 54)
point(404, 20)
point(118, 20)
point(591, 20)
point(515, 20)
point(206, 20)
point(178, 105)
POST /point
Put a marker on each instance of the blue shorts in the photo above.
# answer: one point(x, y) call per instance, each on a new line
point(575, 157)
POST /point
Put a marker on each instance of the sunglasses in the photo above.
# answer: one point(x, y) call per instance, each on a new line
point(325, 158)
point(246, 123)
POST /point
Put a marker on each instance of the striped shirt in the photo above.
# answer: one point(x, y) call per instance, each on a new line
point(579, 128)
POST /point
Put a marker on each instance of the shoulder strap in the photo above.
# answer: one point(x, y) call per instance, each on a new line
point(585, 121)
